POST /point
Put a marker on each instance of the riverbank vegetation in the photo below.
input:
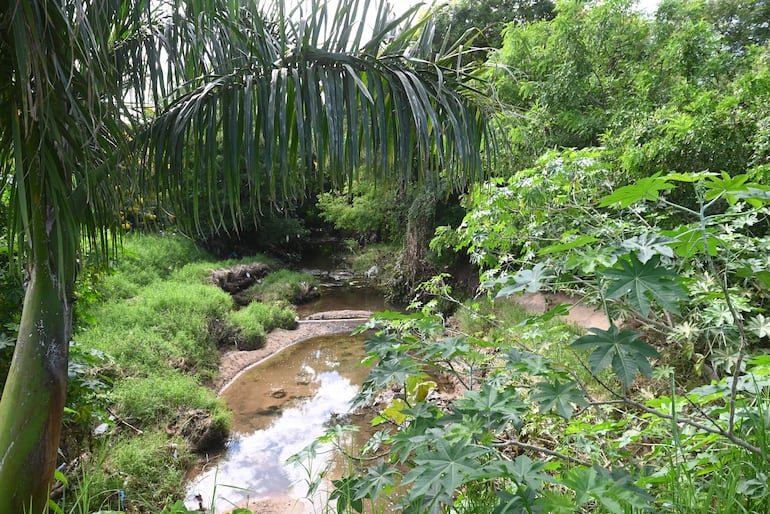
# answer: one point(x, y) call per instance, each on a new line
point(144, 358)
point(653, 209)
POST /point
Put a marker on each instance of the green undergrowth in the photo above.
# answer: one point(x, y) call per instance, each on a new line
point(257, 319)
point(362, 259)
point(149, 334)
point(282, 285)
point(666, 409)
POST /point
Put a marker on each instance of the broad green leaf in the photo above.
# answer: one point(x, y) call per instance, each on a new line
point(755, 195)
point(378, 478)
point(344, 493)
point(558, 397)
point(393, 371)
point(578, 242)
point(496, 408)
point(441, 470)
point(615, 490)
point(621, 349)
point(648, 188)
point(447, 348)
point(530, 363)
point(417, 388)
point(688, 177)
point(529, 280)
point(688, 241)
point(759, 325)
point(648, 245)
point(381, 342)
point(556, 502)
point(590, 259)
point(727, 186)
point(511, 503)
point(644, 282)
point(561, 309)
point(522, 470)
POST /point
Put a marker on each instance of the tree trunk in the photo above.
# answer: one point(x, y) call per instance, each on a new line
point(413, 266)
point(32, 405)
point(419, 231)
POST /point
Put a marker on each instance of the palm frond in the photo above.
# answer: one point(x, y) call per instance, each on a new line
point(292, 98)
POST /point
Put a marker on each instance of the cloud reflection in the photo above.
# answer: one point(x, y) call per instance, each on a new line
point(255, 464)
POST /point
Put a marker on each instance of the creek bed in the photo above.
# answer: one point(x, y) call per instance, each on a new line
point(280, 406)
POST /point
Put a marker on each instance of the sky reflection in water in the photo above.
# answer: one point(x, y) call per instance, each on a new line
point(256, 461)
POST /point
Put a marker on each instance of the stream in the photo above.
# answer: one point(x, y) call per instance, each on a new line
point(283, 404)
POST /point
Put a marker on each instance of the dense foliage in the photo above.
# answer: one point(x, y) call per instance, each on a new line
point(636, 182)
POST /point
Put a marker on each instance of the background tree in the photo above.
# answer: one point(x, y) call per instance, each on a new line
point(485, 20)
point(281, 89)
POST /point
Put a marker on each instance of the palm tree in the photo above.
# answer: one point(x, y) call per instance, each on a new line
point(106, 98)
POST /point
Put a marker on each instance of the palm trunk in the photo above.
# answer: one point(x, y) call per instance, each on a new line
point(32, 404)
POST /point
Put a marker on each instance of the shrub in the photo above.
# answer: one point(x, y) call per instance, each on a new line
point(366, 210)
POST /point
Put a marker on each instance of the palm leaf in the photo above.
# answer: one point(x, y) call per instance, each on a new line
point(299, 97)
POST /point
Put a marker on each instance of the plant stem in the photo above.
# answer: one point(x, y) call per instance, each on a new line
point(733, 312)
point(540, 449)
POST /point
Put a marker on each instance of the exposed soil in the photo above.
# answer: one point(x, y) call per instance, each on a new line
point(580, 315)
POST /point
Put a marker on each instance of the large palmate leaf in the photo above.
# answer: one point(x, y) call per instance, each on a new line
point(522, 470)
point(647, 245)
point(644, 282)
point(559, 397)
point(689, 241)
point(377, 479)
point(444, 468)
point(495, 408)
point(529, 280)
point(615, 490)
point(620, 348)
point(727, 186)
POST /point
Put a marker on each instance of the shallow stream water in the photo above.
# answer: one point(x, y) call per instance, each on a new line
point(282, 405)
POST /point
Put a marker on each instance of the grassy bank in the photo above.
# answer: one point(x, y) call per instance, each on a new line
point(147, 344)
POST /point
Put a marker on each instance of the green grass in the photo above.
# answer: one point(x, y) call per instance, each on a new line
point(152, 317)
point(257, 319)
point(160, 399)
point(163, 326)
point(150, 469)
point(282, 285)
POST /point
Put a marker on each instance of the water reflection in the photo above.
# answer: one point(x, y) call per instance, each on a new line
point(280, 407)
